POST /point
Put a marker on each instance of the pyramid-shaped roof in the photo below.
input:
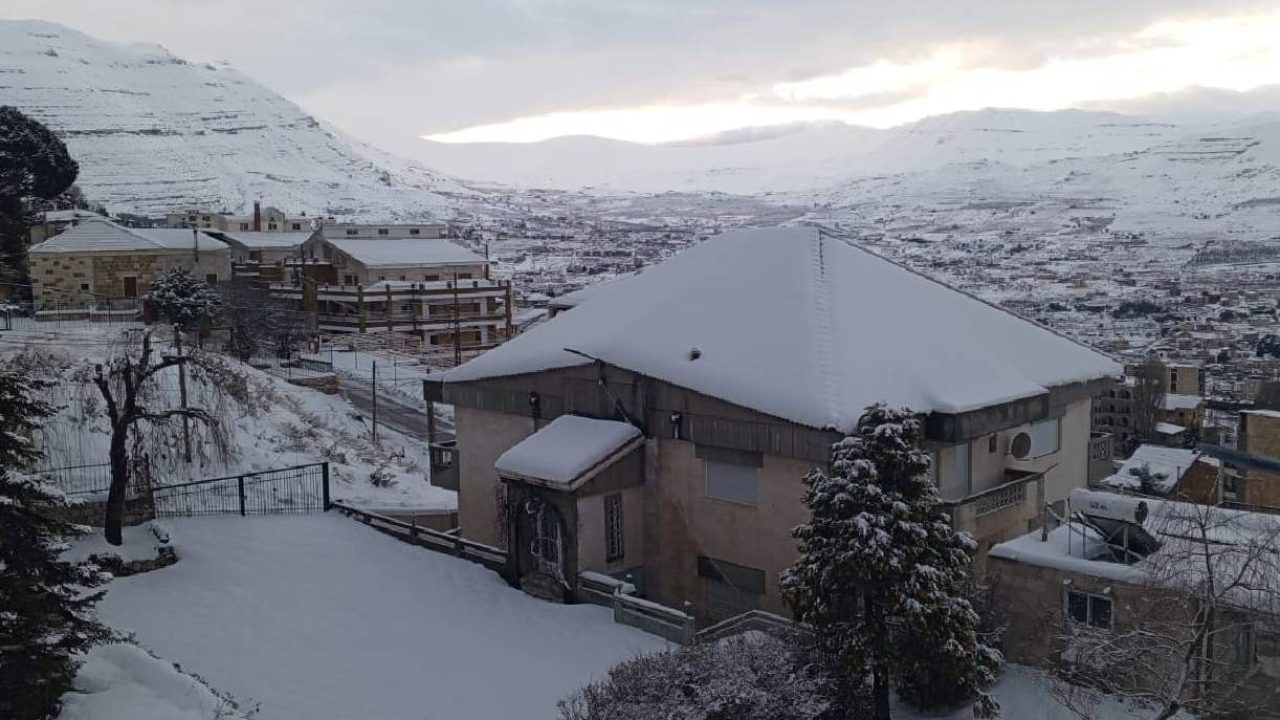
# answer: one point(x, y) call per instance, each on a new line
point(797, 324)
point(102, 235)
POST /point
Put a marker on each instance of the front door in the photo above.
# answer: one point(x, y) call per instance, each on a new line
point(546, 538)
point(130, 287)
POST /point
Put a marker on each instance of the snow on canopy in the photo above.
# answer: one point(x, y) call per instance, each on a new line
point(566, 449)
point(101, 235)
point(265, 240)
point(807, 327)
point(405, 252)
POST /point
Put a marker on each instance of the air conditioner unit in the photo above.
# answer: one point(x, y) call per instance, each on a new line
point(1020, 446)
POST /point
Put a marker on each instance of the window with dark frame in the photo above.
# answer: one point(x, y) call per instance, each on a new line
point(615, 540)
point(1089, 609)
point(353, 231)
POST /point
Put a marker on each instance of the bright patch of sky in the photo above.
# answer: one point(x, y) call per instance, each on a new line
point(1237, 53)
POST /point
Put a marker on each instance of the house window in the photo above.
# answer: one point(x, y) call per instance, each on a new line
point(1231, 486)
point(615, 545)
point(353, 231)
point(211, 278)
point(432, 278)
point(954, 481)
point(244, 226)
point(464, 276)
point(731, 589)
point(1173, 380)
point(414, 231)
point(348, 279)
point(1045, 437)
point(731, 475)
point(402, 278)
point(271, 226)
point(296, 226)
point(992, 444)
point(84, 287)
point(130, 287)
point(1089, 609)
point(383, 231)
point(1244, 645)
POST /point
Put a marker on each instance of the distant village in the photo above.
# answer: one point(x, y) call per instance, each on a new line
point(1055, 467)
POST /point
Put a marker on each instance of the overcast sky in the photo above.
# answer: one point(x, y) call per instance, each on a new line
point(657, 70)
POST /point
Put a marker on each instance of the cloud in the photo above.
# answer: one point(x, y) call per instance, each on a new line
point(389, 70)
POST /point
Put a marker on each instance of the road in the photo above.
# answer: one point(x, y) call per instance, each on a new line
point(409, 420)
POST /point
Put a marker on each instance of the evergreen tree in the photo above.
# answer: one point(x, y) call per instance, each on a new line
point(34, 165)
point(46, 604)
point(881, 575)
point(182, 300)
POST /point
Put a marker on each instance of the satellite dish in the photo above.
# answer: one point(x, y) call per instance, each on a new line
point(1020, 447)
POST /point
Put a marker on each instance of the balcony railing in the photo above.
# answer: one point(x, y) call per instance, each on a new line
point(1019, 493)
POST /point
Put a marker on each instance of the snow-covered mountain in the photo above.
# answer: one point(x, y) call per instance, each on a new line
point(152, 131)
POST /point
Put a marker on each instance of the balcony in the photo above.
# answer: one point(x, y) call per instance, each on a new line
point(1001, 512)
point(1101, 452)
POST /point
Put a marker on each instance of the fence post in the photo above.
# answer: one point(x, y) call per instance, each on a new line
point(240, 483)
point(324, 478)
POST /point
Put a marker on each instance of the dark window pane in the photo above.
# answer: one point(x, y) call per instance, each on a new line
point(1100, 611)
point(1078, 606)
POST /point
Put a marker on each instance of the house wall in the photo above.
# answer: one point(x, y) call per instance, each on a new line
point(57, 277)
point(1199, 484)
point(482, 437)
point(1260, 435)
point(593, 545)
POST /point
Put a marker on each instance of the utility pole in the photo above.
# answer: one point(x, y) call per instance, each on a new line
point(457, 325)
point(375, 400)
point(182, 395)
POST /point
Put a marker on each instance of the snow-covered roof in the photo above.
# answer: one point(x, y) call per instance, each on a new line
point(1263, 413)
point(803, 326)
point(1165, 428)
point(1234, 539)
point(266, 240)
point(568, 450)
point(372, 252)
point(1160, 460)
point(62, 216)
point(101, 235)
point(1175, 401)
point(581, 295)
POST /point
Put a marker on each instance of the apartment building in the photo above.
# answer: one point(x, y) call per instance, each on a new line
point(658, 430)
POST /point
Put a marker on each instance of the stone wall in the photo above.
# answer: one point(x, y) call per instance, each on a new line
point(76, 280)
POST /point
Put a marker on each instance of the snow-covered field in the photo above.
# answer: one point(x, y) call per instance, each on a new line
point(319, 617)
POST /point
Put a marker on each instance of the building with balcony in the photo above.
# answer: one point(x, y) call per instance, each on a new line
point(339, 231)
point(658, 430)
point(429, 288)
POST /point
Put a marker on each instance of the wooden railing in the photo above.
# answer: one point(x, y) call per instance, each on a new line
point(490, 557)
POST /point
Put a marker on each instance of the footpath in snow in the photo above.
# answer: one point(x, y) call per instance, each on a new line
point(319, 618)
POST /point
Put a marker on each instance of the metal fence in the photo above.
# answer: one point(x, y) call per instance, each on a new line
point(286, 491)
point(92, 482)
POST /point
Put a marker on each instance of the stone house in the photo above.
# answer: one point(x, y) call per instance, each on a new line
point(1254, 488)
point(1177, 473)
point(738, 363)
point(98, 266)
point(1118, 571)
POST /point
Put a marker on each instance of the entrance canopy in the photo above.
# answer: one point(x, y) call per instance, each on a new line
point(568, 452)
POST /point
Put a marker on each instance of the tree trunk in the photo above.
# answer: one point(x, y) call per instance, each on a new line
point(119, 486)
point(874, 607)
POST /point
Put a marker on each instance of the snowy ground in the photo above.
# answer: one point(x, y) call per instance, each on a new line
point(319, 617)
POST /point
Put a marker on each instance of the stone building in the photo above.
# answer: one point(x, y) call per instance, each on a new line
point(736, 365)
point(100, 268)
point(1252, 488)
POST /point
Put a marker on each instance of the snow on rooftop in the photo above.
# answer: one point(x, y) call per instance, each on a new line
point(1263, 413)
point(98, 234)
point(566, 449)
point(1166, 461)
point(1165, 428)
point(1174, 401)
point(372, 252)
point(804, 326)
point(268, 239)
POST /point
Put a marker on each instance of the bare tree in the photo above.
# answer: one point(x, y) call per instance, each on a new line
point(257, 323)
point(1149, 390)
point(1189, 639)
point(128, 385)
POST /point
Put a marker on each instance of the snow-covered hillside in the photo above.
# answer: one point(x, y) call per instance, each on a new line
point(152, 131)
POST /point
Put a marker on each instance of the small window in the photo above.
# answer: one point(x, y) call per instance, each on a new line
point(383, 231)
point(296, 226)
point(464, 276)
point(348, 279)
point(1089, 609)
point(992, 444)
point(733, 483)
point(1045, 437)
point(244, 226)
point(415, 231)
point(403, 278)
point(432, 278)
point(615, 545)
point(84, 286)
point(211, 278)
point(271, 226)
point(205, 218)
point(353, 231)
